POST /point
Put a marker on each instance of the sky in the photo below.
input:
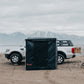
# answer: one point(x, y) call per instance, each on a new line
point(62, 16)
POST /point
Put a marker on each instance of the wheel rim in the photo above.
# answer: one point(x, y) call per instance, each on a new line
point(60, 59)
point(15, 59)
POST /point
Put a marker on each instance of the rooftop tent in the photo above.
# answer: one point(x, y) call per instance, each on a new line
point(41, 54)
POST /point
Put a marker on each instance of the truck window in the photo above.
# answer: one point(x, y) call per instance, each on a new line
point(64, 43)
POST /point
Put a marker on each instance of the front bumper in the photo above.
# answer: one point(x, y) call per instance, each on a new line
point(7, 56)
point(73, 56)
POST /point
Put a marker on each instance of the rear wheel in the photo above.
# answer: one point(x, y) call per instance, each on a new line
point(15, 58)
point(60, 59)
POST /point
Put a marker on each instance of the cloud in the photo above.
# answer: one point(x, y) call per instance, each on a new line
point(50, 15)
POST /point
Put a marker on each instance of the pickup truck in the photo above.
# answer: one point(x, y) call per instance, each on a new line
point(65, 50)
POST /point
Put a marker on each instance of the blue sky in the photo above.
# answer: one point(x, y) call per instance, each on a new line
point(62, 16)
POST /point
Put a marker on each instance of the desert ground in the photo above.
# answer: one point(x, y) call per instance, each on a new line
point(71, 72)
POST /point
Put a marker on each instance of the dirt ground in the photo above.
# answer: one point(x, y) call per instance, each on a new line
point(71, 72)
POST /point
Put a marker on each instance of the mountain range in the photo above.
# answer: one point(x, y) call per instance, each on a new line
point(18, 38)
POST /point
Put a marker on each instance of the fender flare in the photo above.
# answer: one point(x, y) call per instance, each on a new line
point(61, 52)
point(15, 52)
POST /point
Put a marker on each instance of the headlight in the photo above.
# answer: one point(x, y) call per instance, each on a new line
point(7, 50)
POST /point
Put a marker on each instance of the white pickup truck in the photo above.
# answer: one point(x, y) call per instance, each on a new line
point(65, 50)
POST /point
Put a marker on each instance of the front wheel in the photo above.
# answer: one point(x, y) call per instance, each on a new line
point(15, 58)
point(60, 59)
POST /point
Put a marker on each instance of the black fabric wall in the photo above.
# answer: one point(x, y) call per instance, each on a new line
point(41, 54)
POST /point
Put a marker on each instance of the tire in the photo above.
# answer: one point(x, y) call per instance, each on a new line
point(60, 59)
point(15, 58)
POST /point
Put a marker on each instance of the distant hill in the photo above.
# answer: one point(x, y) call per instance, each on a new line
point(18, 38)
